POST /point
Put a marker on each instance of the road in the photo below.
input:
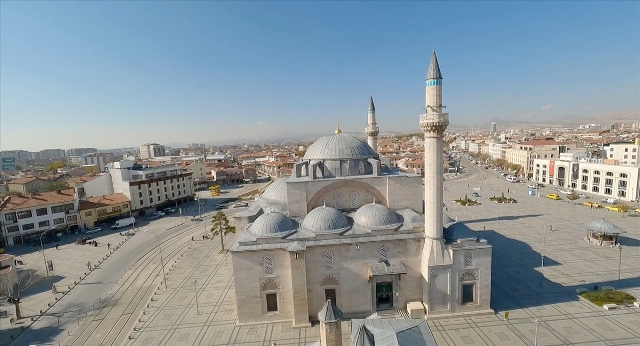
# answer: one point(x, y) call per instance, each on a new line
point(55, 326)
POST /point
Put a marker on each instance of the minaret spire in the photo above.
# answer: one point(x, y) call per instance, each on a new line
point(434, 68)
point(372, 127)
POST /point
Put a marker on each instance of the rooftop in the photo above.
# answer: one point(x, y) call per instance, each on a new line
point(39, 199)
point(103, 201)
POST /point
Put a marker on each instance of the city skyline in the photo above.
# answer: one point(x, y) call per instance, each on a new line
point(112, 75)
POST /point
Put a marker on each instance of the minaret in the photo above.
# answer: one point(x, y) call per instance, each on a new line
point(435, 257)
point(372, 129)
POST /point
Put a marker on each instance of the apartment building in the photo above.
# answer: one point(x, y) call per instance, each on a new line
point(624, 153)
point(81, 151)
point(52, 154)
point(151, 150)
point(593, 176)
point(524, 153)
point(25, 218)
point(28, 185)
point(97, 210)
point(148, 188)
point(99, 160)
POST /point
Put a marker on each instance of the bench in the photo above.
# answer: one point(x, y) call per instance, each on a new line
point(610, 306)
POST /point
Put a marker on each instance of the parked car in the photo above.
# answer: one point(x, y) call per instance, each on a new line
point(475, 194)
point(532, 186)
point(553, 196)
point(566, 192)
point(240, 205)
point(582, 195)
point(129, 221)
point(614, 208)
point(592, 204)
point(220, 206)
point(610, 200)
point(94, 230)
point(637, 210)
point(169, 210)
point(156, 215)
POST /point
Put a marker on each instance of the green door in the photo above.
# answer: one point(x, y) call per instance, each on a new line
point(384, 295)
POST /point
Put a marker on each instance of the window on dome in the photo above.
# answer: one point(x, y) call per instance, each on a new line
point(354, 199)
point(337, 200)
point(361, 167)
point(344, 168)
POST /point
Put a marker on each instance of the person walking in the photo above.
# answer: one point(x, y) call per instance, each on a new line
point(89, 265)
point(56, 246)
point(108, 246)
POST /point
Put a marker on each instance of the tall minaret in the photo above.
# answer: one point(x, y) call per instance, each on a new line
point(434, 255)
point(372, 129)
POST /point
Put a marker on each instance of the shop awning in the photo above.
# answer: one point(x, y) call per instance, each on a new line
point(386, 268)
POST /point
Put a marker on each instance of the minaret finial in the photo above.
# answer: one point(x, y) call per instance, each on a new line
point(338, 128)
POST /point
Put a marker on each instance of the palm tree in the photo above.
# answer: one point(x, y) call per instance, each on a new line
point(221, 227)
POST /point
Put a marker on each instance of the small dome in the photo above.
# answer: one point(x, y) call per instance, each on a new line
point(271, 224)
point(276, 192)
point(325, 220)
point(376, 216)
point(339, 146)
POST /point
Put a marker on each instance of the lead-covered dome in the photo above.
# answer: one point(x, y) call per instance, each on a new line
point(325, 220)
point(339, 146)
point(276, 193)
point(376, 216)
point(271, 224)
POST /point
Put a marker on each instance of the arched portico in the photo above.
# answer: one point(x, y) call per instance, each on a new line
point(354, 194)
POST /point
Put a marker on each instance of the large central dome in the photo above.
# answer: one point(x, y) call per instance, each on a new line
point(339, 146)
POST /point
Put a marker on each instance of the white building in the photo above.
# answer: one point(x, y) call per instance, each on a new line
point(148, 188)
point(592, 176)
point(342, 229)
point(99, 160)
point(623, 153)
point(151, 150)
point(24, 218)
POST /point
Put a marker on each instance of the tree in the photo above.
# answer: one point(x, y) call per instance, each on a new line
point(12, 287)
point(57, 186)
point(572, 196)
point(221, 227)
point(516, 167)
point(52, 167)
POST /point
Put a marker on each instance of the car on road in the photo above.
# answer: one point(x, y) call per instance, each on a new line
point(582, 195)
point(610, 200)
point(553, 196)
point(220, 207)
point(94, 230)
point(169, 210)
point(156, 215)
point(592, 204)
point(475, 194)
point(240, 205)
point(637, 210)
point(532, 186)
point(614, 208)
point(566, 192)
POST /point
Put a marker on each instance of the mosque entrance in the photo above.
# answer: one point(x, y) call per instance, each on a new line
point(384, 295)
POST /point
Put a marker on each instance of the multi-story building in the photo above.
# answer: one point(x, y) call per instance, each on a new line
point(498, 150)
point(25, 218)
point(494, 127)
point(623, 153)
point(199, 176)
point(593, 176)
point(148, 188)
point(97, 210)
point(28, 185)
point(151, 150)
point(99, 160)
point(81, 151)
point(524, 153)
point(52, 154)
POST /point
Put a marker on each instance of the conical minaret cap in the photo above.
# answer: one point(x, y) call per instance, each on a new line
point(329, 313)
point(372, 107)
point(434, 68)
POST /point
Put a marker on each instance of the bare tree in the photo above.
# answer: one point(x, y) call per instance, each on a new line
point(12, 287)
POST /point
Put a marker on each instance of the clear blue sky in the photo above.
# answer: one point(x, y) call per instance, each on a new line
point(111, 74)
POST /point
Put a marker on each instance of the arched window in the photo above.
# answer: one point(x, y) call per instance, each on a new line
point(608, 191)
point(383, 252)
point(337, 200)
point(609, 174)
point(468, 259)
point(327, 260)
point(623, 175)
point(361, 167)
point(269, 265)
point(354, 199)
point(596, 172)
point(585, 171)
point(344, 168)
point(595, 189)
point(622, 193)
point(584, 187)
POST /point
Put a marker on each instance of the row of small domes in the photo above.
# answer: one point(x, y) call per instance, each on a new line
point(326, 220)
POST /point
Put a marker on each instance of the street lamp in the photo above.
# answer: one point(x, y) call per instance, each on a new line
point(535, 335)
point(164, 275)
point(619, 262)
point(195, 289)
point(46, 268)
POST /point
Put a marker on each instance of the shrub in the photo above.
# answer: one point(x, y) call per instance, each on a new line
point(608, 297)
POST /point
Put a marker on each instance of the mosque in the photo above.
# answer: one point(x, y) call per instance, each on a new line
point(346, 231)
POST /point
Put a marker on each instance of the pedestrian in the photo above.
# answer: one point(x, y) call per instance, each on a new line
point(108, 246)
point(203, 237)
point(507, 190)
point(89, 265)
point(484, 228)
point(192, 238)
point(95, 243)
point(550, 227)
point(56, 246)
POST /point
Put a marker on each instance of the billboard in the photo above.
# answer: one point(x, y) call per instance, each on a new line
point(8, 160)
point(552, 168)
point(575, 171)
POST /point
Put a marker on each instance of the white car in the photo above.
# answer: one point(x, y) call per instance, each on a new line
point(582, 195)
point(532, 186)
point(240, 205)
point(94, 230)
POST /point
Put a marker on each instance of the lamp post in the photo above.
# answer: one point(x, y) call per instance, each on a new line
point(195, 289)
point(619, 262)
point(535, 335)
point(164, 275)
point(46, 268)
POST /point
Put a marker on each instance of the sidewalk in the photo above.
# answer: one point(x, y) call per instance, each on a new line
point(69, 263)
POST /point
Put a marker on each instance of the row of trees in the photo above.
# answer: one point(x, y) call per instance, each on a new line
point(500, 163)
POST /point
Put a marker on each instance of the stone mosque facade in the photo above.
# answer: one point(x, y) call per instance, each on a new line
point(343, 227)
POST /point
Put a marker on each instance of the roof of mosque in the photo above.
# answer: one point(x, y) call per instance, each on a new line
point(276, 192)
point(339, 146)
point(376, 216)
point(325, 220)
point(271, 224)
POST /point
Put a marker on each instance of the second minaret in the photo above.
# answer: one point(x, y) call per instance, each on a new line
point(372, 128)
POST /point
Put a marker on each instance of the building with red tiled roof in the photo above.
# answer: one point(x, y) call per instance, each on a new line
point(24, 218)
point(99, 209)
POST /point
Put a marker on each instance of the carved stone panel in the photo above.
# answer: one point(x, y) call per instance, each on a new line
point(469, 275)
point(269, 284)
point(330, 280)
